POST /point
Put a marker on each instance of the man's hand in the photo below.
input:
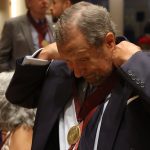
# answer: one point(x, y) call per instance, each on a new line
point(49, 52)
point(124, 51)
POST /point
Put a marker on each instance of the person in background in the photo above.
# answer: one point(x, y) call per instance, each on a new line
point(57, 7)
point(24, 34)
point(16, 122)
point(106, 106)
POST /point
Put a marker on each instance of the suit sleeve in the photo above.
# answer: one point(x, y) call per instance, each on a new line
point(5, 47)
point(137, 72)
point(26, 83)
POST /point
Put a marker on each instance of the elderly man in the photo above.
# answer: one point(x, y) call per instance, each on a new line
point(106, 106)
point(24, 34)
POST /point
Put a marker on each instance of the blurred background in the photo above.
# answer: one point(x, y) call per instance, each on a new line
point(131, 16)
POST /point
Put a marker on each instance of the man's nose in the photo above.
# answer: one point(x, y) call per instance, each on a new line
point(78, 71)
point(51, 7)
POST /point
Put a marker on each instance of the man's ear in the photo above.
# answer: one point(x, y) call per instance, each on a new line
point(110, 40)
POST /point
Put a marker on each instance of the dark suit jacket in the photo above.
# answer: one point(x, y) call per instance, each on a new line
point(16, 41)
point(124, 126)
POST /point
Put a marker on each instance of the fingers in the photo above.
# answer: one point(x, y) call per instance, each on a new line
point(49, 52)
point(123, 52)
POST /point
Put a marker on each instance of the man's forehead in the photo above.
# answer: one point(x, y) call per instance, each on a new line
point(74, 47)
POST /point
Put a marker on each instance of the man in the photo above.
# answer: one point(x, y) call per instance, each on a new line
point(24, 34)
point(39, 12)
point(115, 114)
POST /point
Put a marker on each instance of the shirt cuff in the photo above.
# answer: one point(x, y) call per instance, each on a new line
point(31, 60)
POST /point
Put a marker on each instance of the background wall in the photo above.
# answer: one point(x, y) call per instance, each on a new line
point(17, 7)
point(116, 8)
point(4, 12)
point(136, 14)
point(10, 8)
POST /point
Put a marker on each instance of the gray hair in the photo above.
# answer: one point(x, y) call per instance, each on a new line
point(12, 115)
point(92, 20)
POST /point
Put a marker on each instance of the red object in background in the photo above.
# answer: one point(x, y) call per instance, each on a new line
point(144, 39)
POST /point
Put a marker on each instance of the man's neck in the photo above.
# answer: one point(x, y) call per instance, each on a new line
point(37, 16)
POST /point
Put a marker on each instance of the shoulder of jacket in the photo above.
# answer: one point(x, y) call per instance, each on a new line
point(16, 19)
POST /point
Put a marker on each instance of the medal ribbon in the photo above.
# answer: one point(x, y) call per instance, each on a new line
point(86, 110)
point(95, 99)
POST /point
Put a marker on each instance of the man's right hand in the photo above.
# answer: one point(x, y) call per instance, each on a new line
point(49, 52)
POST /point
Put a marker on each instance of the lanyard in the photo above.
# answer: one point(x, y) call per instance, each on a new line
point(85, 111)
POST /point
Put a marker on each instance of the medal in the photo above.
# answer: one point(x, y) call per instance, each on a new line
point(44, 43)
point(73, 135)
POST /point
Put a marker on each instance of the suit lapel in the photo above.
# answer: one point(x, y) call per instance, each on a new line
point(112, 117)
point(110, 123)
point(88, 135)
point(50, 106)
point(25, 25)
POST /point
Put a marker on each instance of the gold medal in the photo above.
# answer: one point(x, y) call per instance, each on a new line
point(44, 43)
point(73, 135)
